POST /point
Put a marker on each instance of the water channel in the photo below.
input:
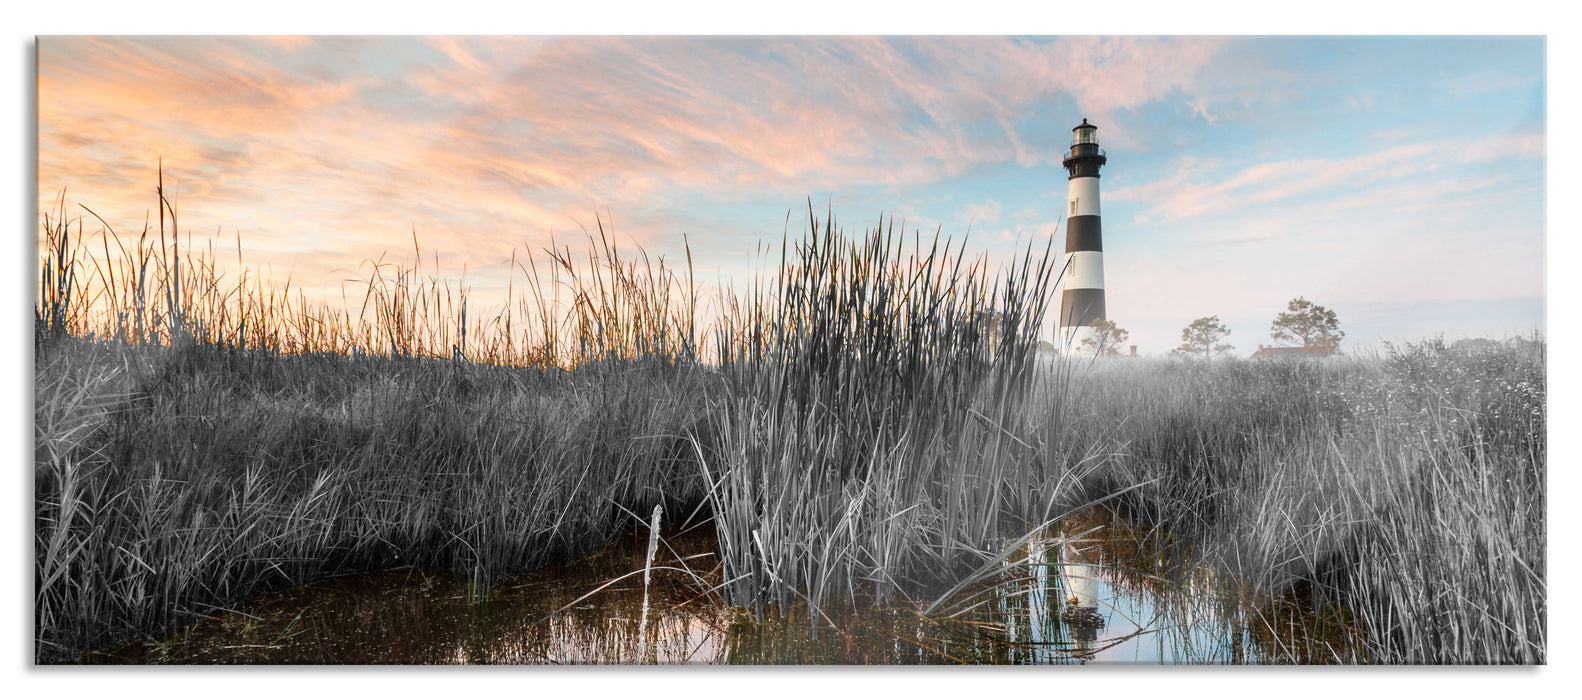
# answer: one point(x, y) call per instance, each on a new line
point(1095, 590)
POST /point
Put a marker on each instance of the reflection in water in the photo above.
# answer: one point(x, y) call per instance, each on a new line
point(1108, 595)
point(1091, 596)
point(417, 617)
point(1099, 590)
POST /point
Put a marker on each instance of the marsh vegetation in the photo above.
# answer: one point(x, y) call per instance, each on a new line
point(873, 425)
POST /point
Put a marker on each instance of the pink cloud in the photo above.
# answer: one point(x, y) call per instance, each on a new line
point(324, 152)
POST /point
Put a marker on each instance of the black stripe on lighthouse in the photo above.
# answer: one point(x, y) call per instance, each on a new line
point(1083, 233)
point(1081, 307)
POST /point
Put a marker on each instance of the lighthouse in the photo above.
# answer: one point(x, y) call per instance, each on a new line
point(1082, 294)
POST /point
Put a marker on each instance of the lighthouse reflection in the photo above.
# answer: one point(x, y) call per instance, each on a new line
point(1067, 600)
point(1095, 590)
point(1080, 575)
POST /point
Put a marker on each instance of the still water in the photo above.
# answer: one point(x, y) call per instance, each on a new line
point(1094, 590)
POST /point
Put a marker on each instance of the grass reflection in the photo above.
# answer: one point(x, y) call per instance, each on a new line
point(1115, 593)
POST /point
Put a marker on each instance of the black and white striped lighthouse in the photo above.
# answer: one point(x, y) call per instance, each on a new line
point(1082, 296)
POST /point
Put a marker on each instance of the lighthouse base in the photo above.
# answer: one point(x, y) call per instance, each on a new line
point(1070, 339)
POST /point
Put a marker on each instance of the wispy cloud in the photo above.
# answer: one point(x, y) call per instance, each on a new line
point(987, 212)
point(1196, 190)
point(354, 141)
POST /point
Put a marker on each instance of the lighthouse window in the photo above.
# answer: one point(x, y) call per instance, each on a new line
point(1086, 136)
point(1074, 206)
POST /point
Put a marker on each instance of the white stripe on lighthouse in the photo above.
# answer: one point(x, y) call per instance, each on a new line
point(1085, 270)
point(1072, 336)
point(1082, 198)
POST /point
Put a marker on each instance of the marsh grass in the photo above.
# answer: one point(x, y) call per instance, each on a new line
point(202, 440)
point(877, 435)
point(871, 425)
point(1401, 498)
point(171, 485)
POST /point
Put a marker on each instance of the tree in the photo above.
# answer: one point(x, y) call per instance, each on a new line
point(990, 324)
point(1203, 338)
point(1109, 339)
point(1313, 325)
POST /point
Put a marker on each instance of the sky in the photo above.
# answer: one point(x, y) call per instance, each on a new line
point(1399, 181)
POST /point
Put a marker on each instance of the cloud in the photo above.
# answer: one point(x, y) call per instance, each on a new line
point(355, 140)
point(1198, 110)
point(1197, 189)
point(1487, 81)
point(987, 212)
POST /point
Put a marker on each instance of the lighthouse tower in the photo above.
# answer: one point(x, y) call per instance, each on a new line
point(1082, 296)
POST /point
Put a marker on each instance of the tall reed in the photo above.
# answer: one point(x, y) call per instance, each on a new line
point(877, 432)
point(159, 291)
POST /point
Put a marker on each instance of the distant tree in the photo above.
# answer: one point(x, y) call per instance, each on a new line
point(1203, 338)
point(1531, 342)
point(1475, 345)
point(991, 325)
point(1106, 340)
point(1313, 325)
